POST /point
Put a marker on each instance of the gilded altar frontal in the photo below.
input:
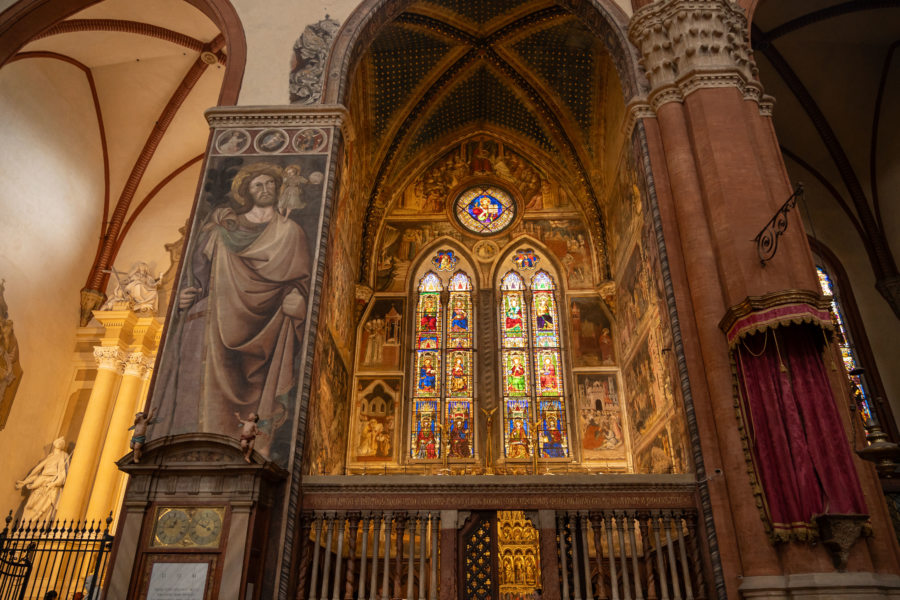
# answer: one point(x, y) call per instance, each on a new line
point(443, 299)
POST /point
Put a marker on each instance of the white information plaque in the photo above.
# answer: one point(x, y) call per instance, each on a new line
point(177, 581)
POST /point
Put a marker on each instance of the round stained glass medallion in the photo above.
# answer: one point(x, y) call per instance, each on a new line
point(485, 210)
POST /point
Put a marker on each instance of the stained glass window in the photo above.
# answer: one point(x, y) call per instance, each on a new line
point(532, 368)
point(459, 370)
point(443, 390)
point(844, 343)
point(485, 209)
point(553, 441)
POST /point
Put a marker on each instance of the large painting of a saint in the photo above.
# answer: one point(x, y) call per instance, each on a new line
point(237, 329)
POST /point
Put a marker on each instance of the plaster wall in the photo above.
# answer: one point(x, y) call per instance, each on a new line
point(158, 225)
point(52, 169)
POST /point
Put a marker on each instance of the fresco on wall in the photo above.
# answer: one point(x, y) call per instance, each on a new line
point(338, 311)
point(634, 297)
point(401, 241)
point(600, 414)
point(625, 206)
point(681, 462)
point(429, 192)
point(642, 385)
point(374, 435)
point(655, 457)
point(328, 420)
point(348, 214)
point(236, 334)
point(590, 333)
point(379, 343)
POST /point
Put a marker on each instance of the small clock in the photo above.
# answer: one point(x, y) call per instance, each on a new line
point(171, 526)
point(206, 527)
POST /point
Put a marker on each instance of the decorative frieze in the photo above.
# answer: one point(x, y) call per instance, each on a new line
point(687, 45)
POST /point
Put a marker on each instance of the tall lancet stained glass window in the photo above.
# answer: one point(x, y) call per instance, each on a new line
point(426, 421)
point(459, 386)
point(531, 367)
point(443, 399)
point(551, 415)
point(848, 356)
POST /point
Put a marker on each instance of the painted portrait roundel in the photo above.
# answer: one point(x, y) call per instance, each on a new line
point(485, 209)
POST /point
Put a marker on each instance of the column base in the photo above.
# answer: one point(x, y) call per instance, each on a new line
point(846, 586)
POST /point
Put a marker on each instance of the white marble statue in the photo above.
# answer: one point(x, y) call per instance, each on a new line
point(45, 482)
point(138, 290)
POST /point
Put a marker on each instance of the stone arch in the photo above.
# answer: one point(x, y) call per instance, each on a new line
point(27, 18)
point(603, 17)
point(432, 246)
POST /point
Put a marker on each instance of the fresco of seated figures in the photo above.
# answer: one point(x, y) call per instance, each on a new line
point(428, 193)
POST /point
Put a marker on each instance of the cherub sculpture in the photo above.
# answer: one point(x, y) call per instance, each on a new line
point(249, 431)
point(142, 420)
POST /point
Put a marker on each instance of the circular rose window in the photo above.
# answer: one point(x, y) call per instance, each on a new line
point(485, 210)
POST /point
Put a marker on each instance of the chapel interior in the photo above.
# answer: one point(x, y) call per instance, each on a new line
point(507, 353)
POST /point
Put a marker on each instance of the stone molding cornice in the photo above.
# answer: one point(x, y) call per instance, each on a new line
point(636, 110)
point(334, 115)
point(508, 484)
point(109, 358)
point(688, 45)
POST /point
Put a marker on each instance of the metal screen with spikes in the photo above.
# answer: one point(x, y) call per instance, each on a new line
point(67, 557)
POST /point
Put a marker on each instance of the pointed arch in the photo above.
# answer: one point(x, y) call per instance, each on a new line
point(443, 393)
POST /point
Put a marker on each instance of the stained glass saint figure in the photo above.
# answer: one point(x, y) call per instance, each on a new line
point(459, 437)
point(429, 314)
point(517, 440)
point(458, 378)
point(459, 321)
point(513, 314)
point(552, 438)
point(544, 313)
point(516, 376)
point(427, 375)
point(548, 375)
point(426, 443)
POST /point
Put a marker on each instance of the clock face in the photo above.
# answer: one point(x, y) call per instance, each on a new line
point(171, 526)
point(206, 527)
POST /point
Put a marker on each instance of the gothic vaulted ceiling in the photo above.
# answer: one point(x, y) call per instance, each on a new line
point(529, 70)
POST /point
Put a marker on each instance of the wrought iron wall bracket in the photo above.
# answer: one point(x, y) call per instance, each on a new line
point(767, 239)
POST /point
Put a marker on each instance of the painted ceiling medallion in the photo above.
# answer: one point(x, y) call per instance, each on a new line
point(485, 210)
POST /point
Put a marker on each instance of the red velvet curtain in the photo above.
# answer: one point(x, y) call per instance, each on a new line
point(796, 434)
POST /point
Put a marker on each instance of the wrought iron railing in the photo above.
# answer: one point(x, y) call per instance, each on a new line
point(67, 557)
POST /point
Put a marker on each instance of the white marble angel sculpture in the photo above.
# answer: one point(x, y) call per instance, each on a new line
point(45, 482)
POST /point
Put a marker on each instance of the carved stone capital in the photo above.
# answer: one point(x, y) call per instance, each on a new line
point(692, 44)
point(110, 358)
point(138, 364)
